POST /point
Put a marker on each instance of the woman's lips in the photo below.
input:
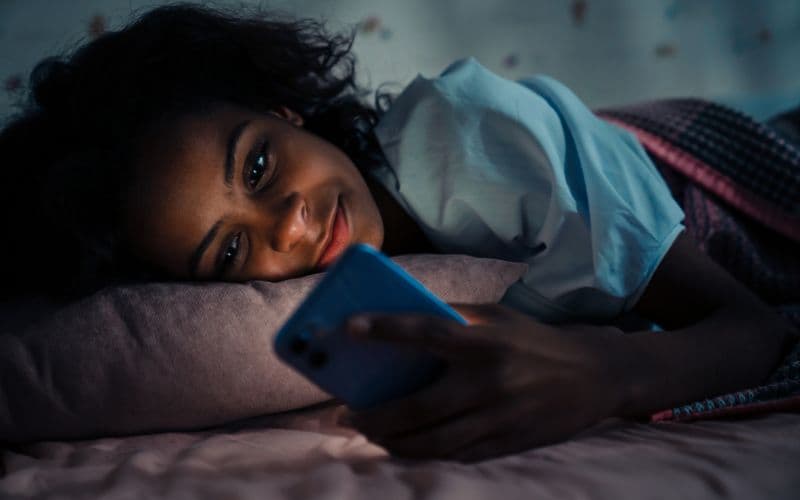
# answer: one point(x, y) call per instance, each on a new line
point(340, 236)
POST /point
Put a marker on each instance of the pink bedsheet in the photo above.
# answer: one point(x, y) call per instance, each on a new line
point(306, 455)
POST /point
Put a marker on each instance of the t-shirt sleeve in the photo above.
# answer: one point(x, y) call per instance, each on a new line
point(525, 171)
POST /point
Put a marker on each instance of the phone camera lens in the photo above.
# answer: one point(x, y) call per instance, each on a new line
point(298, 345)
point(317, 359)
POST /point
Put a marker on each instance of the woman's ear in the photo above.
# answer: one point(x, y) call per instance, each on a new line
point(289, 115)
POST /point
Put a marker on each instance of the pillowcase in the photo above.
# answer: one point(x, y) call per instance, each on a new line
point(168, 356)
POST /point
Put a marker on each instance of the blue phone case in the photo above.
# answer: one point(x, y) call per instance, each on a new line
point(362, 373)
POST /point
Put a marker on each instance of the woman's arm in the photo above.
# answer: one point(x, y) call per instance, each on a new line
point(720, 337)
point(513, 383)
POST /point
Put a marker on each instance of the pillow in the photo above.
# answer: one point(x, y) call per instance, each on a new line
point(165, 356)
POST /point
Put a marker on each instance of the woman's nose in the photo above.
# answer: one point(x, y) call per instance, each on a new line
point(292, 223)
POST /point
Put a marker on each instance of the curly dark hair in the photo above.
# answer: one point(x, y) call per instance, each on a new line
point(67, 155)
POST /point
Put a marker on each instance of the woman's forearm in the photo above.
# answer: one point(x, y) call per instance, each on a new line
point(729, 350)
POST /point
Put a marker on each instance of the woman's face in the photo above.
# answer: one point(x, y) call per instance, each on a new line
point(237, 195)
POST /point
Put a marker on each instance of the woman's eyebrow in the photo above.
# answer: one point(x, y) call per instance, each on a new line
point(230, 164)
point(197, 255)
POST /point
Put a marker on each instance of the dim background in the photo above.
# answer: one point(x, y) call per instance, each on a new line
point(745, 53)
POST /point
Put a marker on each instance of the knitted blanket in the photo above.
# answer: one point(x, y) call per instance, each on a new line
point(738, 183)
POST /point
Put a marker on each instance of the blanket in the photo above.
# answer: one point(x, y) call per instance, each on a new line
point(738, 182)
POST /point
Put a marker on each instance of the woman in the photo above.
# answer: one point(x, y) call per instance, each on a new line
point(192, 145)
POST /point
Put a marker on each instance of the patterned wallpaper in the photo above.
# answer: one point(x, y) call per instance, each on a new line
point(745, 52)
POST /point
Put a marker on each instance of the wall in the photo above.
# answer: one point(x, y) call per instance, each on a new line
point(609, 52)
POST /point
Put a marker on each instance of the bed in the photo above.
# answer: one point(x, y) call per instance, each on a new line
point(169, 441)
point(161, 446)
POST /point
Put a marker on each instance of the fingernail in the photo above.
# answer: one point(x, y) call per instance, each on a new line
point(358, 325)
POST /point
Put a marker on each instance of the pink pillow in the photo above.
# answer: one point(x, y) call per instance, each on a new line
point(166, 356)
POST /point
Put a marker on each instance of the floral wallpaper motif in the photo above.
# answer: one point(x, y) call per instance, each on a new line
point(744, 52)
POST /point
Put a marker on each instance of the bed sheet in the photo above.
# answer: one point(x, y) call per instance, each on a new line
point(305, 454)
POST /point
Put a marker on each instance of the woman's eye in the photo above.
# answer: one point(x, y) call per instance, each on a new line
point(229, 253)
point(254, 177)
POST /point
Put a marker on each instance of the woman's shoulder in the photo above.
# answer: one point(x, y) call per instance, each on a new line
point(464, 81)
point(464, 91)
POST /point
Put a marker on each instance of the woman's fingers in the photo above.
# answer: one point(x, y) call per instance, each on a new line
point(490, 426)
point(506, 443)
point(491, 447)
point(441, 336)
point(494, 429)
point(462, 431)
point(441, 401)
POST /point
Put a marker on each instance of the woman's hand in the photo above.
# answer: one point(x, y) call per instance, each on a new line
point(512, 383)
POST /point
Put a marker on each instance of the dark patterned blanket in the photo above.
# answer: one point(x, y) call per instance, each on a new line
point(738, 182)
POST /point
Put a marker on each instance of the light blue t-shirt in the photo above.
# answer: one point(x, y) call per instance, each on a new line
point(523, 171)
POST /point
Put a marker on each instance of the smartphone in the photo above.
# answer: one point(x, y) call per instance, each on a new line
point(362, 373)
